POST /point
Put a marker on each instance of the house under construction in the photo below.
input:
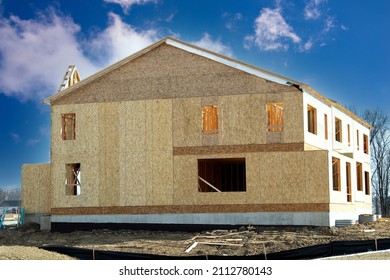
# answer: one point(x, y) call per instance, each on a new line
point(176, 134)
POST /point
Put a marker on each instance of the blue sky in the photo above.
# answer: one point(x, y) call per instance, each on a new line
point(340, 48)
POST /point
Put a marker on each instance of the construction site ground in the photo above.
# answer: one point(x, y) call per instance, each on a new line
point(24, 242)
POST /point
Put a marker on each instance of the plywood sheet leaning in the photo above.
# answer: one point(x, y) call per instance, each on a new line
point(36, 188)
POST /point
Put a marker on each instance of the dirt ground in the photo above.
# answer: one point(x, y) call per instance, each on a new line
point(23, 242)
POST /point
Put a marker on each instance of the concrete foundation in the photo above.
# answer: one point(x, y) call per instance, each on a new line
point(274, 218)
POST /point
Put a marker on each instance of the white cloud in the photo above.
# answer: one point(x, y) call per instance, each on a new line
point(126, 4)
point(313, 9)
point(34, 53)
point(119, 40)
point(329, 24)
point(272, 31)
point(217, 46)
point(231, 20)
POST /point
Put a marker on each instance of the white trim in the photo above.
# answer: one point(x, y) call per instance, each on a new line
point(234, 64)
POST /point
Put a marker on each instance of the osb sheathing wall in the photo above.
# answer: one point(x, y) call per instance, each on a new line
point(242, 120)
point(125, 151)
point(272, 178)
point(167, 72)
point(36, 191)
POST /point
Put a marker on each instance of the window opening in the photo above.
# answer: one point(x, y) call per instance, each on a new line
point(348, 178)
point(222, 175)
point(312, 119)
point(210, 119)
point(365, 143)
point(349, 135)
point(357, 140)
point(367, 182)
point(338, 130)
point(275, 117)
point(68, 129)
point(359, 174)
point(326, 126)
point(336, 174)
point(73, 179)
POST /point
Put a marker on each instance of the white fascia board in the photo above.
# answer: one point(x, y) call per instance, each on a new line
point(235, 64)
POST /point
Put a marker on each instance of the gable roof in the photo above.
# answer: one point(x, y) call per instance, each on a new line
point(247, 68)
point(216, 57)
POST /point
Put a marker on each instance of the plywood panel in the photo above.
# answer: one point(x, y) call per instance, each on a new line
point(293, 177)
point(239, 118)
point(271, 174)
point(108, 154)
point(187, 122)
point(133, 177)
point(158, 124)
point(317, 176)
point(159, 184)
point(253, 178)
point(36, 188)
point(293, 121)
point(185, 180)
point(132, 122)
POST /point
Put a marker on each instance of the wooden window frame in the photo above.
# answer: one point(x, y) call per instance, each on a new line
point(348, 181)
point(338, 130)
point(349, 134)
point(326, 126)
point(367, 182)
point(275, 117)
point(73, 179)
point(311, 119)
point(365, 144)
point(357, 140)
point(210, 119)
point(359, 176)
point(336, 174)
point(68, 126)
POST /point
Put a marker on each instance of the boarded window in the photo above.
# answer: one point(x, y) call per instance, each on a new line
point(336, 174)
point(73, 178)
point(312, 119)
point(348, 181)
point(326, 126)
point(365, 144)
point(68, 129)
point(275, 117)
point(367, 182)
point(359, 175)
point(210, 119)
point(222, 175)
point(338, 130)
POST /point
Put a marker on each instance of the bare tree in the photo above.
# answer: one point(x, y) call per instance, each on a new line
point(380, 158)
point(13, 194)
point(2, 195)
